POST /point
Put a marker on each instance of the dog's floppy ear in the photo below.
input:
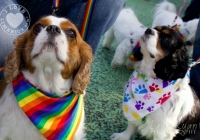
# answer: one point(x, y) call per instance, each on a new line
point(82, 76)
point(174, 65)
point(138, 54)
point(14, 59)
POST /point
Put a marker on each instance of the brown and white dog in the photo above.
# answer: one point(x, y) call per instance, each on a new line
point(165, 57)
point(53, 57)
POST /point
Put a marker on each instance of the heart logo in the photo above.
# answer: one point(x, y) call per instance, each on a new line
point(14, 19)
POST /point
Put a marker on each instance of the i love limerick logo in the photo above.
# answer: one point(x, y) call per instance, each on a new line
point(14, 19)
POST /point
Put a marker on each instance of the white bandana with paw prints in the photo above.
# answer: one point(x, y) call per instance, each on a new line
point(143, 96)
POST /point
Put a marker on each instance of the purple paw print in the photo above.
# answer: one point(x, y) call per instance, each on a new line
point(150, 109)
point(139, 105)
point(166, 83)
point(127, 85)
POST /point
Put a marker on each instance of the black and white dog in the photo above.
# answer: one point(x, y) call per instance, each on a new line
point(164, 15)
point(164, 59)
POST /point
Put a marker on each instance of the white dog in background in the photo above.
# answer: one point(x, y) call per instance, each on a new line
point(164, 15)
point(126, 30)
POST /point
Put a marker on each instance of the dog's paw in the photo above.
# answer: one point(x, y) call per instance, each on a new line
point(115, 65)
point(130, 65)
point(119, 136)
point(105, 45)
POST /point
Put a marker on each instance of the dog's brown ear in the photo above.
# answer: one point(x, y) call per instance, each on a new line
point(3, 85)
point(14, 58)
point(82, 76)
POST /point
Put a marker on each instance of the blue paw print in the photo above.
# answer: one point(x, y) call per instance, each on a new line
point(126, 97)
point(141, 89)
point(173, 82)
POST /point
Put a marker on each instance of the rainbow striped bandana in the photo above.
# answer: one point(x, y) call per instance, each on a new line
point(134, 56)
point(57, 118)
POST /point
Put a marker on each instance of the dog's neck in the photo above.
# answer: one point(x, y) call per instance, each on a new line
point(147, 65)
point(49, 80)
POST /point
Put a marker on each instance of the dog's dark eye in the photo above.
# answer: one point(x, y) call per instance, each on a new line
point(151, 55)
point(70, 34)
point(38, 28)
point(165, 39)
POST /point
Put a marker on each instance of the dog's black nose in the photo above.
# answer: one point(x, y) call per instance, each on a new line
point(53, 29)
point(149, 32)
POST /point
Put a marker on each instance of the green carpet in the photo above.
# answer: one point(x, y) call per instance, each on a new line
point(103, 101)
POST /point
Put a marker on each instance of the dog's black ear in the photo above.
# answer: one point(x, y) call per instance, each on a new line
point(138, 54)
point(174, 65)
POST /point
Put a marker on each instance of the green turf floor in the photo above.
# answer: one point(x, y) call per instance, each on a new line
point(105, 91)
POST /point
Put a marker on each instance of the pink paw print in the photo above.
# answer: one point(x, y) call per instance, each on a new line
point(153, 87)
point(164, 98)
point(147, 96)
point(133, 80)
